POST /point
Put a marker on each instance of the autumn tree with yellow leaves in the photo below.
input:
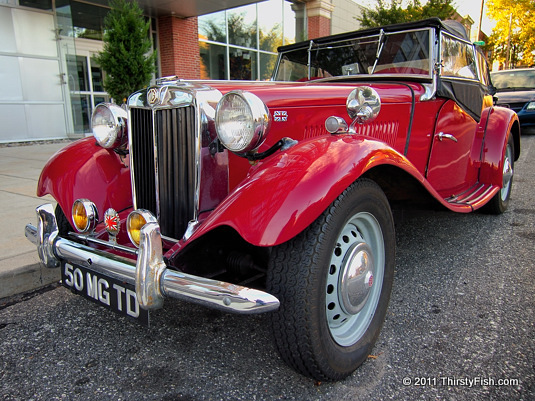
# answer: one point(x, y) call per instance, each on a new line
point(513, 38)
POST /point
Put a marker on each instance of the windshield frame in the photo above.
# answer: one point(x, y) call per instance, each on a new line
point(380, 38)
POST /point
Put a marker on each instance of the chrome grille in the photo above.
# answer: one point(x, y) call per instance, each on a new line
point(163, 165)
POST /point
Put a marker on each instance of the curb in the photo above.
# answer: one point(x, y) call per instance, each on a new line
point(27, 278)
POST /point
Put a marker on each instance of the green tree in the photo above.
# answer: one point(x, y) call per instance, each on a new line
point(126, 58)
point(514, 30)
point(394, 13)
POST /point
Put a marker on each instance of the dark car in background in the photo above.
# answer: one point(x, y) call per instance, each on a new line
point(516, 90)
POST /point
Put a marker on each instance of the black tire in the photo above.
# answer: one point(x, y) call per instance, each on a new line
point(499, 202)
point(305, 275)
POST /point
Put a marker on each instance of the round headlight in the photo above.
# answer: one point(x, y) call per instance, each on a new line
point(135, 222)
point(109, 125)
point(242, 121)
point(84, 215)
point(363, 104)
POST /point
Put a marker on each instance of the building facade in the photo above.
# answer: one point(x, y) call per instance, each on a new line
point(50, 82)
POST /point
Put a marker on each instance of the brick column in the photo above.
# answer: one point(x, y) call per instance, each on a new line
point(319, 18)
point(179, 47)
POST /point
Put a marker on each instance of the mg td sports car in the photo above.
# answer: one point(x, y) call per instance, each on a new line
point(276, 197)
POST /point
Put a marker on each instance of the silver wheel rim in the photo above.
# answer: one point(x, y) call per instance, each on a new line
point(355, 279)
point(507, 173)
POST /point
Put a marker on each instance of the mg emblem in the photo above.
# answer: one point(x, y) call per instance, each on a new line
point(153, 96)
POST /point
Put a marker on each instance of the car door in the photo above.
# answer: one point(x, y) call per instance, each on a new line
point(451, 168)
point(454, 160)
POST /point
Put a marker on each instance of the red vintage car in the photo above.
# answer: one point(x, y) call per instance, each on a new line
point(277, 196)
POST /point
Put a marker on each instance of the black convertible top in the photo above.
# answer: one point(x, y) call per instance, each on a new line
point(467, 93)
point(453, 27)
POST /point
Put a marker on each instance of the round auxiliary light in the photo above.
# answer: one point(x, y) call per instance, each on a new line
point(363, 104)
point(242, 121)
point(135, 222)
point(84, 215)
point(109, 125)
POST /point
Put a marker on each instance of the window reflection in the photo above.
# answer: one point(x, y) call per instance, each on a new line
point(85, 79)
point(213, 61)
point(242, 64)
point(242, 43)
point(242, 26)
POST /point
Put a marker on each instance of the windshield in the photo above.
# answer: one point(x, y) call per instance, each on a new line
point(391, 53)
point(513, 79)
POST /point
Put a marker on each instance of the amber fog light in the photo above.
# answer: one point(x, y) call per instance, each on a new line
point(84, 215)
point(135, 222)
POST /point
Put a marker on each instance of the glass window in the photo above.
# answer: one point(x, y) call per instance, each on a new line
point(40, 4)
point(81, 112)
point(212, 27)
point(458, 59)
point(269, 26)
point(241, 24)
point(249, 36)
point(405, 53)
point(267, 65)
point(242, 64)
point(96, 76)
point(88, 20)
point(77, 73)
point(483, 68)
point(213, 61)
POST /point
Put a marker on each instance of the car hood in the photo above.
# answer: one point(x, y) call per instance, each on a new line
point(515, 96)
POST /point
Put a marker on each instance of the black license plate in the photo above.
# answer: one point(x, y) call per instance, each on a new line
point(106, 291)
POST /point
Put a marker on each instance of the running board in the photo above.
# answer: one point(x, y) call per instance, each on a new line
point(471, 196)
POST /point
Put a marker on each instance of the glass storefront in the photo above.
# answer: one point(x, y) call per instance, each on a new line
point(86, 89)
point(82, 25)
point(241, 43)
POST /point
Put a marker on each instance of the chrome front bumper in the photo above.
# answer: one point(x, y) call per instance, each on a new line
point(152, 279)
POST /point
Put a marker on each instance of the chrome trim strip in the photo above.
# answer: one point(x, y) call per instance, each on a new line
point(151, 277)
point(109, 244)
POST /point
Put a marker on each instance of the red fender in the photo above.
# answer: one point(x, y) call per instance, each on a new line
point(286, 192)
point(499, 127)
point(85, 170)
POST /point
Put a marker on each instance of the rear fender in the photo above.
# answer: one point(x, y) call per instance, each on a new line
point(285, 193)
point(502, 122)
point(85, 170)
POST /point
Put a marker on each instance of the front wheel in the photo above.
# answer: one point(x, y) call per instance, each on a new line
point(334, 282)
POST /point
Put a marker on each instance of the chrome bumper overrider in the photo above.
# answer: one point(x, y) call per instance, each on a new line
point(152, 279)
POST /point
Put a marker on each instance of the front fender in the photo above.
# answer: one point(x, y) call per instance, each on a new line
point(285, 193)
point(502, 123)
point(85, 170)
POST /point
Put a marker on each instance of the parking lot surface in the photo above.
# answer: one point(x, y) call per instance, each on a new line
point(460, 326)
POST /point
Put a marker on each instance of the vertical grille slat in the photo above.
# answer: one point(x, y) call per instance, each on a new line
point(175, 136)
point(142, 149)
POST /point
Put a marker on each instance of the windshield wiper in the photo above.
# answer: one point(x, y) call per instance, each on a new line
point(380, 45)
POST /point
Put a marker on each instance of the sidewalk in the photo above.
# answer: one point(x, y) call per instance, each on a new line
point(20, 167)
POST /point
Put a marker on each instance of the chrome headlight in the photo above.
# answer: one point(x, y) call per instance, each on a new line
point(363, 104)
point(242, 121)
point(109, 124)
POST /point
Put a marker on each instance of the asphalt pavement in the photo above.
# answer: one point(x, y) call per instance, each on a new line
point(20, 167)
point(460, 326)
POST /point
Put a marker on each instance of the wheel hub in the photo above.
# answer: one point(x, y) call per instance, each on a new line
point(357, 278)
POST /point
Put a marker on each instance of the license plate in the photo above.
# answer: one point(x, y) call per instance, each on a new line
point(106, 291)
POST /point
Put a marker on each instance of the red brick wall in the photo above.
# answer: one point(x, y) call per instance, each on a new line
point(318, 26)
point(179, 47)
